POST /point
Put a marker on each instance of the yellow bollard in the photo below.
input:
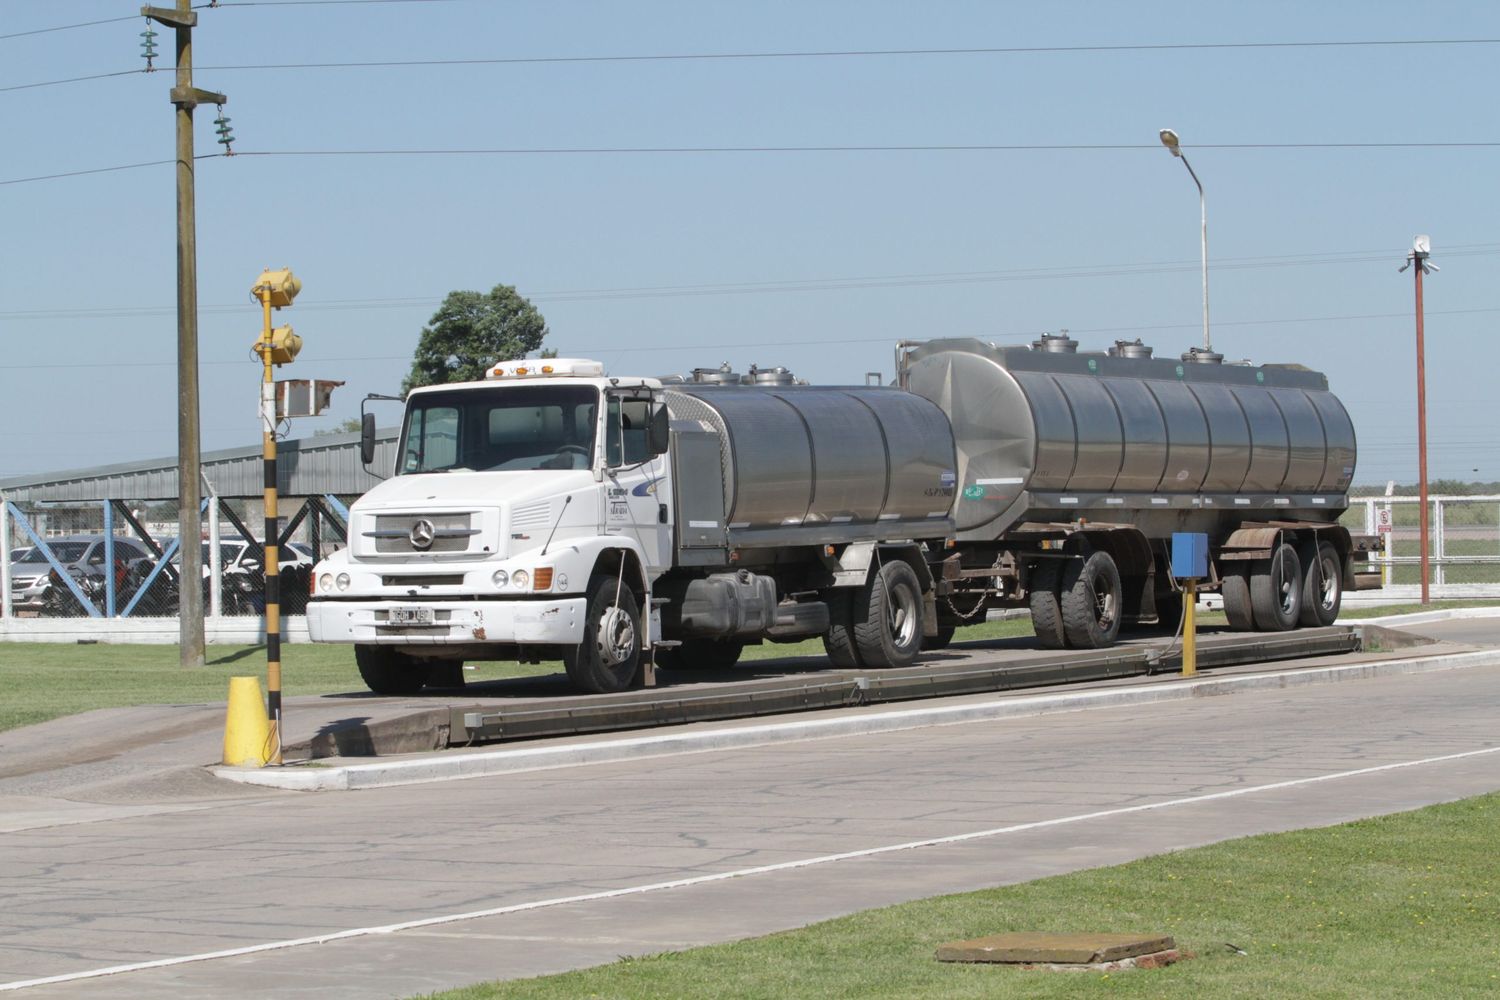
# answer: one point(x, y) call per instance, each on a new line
point(247, 731)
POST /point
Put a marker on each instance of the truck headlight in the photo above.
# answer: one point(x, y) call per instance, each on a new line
point(325, 582)
point(520, 579)
point(342, 581)
point(500, 578)
point(560, 582)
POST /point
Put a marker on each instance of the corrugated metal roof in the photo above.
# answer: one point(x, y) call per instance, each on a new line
point(305, 467)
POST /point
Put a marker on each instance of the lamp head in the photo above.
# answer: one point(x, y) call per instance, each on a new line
point(1169, 139)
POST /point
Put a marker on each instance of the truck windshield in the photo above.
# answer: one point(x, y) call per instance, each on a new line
point(506, 429)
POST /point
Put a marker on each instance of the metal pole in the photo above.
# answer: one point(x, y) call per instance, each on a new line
point(190, 597)
point(1203, 216)
point(1422, 431)
point(272, 544)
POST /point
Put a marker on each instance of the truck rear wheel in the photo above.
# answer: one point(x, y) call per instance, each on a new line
point(1276, 590)
point(1323, 589)
point(1046, 604)
point(1235, 589)
point(389, 671)
point(888, 617)
point(609, 655)
point(1091, 594)
point(838, 641)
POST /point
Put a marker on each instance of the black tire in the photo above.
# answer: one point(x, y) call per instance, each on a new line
point(838, 641)
point(609, 656)
point(389, 671)
point(1046, 604)
point(1276, 590)
point(942, 639)
point(706, 654)
point(1323, 586)
point(888, 617)
point(1091, 598)
point(1235, 589)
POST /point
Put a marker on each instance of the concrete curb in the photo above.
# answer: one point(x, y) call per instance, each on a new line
point(454, 766)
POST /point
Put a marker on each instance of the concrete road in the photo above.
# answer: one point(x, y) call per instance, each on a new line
point(423, 887)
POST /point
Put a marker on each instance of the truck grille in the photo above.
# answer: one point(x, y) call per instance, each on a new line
point(406, 533)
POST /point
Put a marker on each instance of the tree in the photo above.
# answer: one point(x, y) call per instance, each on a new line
point(470, 332)
point(345, 427)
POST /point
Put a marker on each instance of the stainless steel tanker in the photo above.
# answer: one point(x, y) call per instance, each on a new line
point(1190, 445)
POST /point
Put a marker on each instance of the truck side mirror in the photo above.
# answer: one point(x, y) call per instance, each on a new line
point(367, 438)
point(658, 434)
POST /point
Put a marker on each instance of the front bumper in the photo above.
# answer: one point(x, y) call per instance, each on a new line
point(557, 621)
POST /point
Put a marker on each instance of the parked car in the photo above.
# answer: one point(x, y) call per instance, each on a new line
point(79, 555)
point(244, 580)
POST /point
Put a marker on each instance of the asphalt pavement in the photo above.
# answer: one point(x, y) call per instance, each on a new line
point(234, 891)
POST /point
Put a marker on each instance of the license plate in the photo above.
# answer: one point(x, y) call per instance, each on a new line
point(411, 616)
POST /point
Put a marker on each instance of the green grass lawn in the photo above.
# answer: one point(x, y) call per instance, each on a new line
point(1399, 906)
point(44, 681)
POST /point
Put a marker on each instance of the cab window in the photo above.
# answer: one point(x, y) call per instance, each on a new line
point(626, 440)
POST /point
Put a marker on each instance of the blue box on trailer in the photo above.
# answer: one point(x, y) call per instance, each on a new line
point(1189, 555)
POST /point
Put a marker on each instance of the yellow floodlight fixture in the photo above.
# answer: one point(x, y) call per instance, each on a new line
point(284, 345)
point(280, 286)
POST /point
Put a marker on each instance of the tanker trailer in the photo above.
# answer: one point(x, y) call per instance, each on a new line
point(1074, 469)
point(802, 511)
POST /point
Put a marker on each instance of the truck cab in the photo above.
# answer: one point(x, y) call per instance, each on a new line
point(526, 519)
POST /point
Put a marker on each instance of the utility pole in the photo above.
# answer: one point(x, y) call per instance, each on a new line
point(186, 97)
point(1421, 249)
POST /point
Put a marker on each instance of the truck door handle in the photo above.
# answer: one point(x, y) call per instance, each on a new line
point(661, 513)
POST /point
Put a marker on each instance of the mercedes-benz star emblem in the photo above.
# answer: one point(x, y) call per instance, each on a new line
point(422, 534)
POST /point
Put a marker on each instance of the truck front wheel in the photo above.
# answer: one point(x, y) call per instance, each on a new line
point(389, 671)
point(610, 654)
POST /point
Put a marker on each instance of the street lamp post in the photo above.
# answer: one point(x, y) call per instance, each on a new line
point(1169, 139)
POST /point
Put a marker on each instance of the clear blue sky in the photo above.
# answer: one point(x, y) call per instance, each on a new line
point(659, 262)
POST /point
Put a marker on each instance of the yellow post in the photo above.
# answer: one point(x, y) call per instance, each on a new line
point(247, 732)
point(1189, 628)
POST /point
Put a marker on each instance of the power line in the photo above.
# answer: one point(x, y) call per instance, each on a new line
point(676, 150)
point(750, 56)
point(104, 170)
point(852, 53)
point(68, 27)
point(73, 79)
point(1015, 337)
point(853, 283)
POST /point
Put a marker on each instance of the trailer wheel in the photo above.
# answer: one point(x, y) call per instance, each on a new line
point(1235, 589)
point(1276, 590)
point(389, 671)
point(705, 654)
point(1091, 594)
point(888, 617)
point(1046, 604)
point(610, 653)
point(838, 641)
point(1323, 587)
